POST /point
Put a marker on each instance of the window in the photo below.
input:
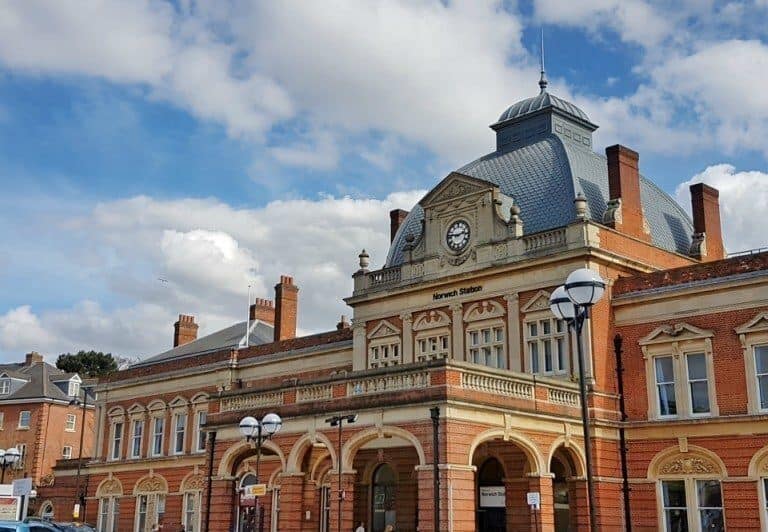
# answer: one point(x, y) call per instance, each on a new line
point(432, 347)
point(2, 420)
point(70, 423)
point(141, 511)
point(692, 504)
point(117, 440)
point(157, 436)
point(145, 518)
point(109, 514)
point(74, 389)
point(548, 346)
point(698, 385)
point(191, 516)
point(24, 417)
point(381, 355)
point(761, 372)
point(665, 385)
point(5, 386)
point(66, 452)
point(138, 433)
point(486, 346)
point(765, 497)
point(179, 429)
point(200, 433)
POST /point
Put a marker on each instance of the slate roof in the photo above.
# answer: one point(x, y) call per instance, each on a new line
point(544, 177)
point(38, 382)
point(260, 333)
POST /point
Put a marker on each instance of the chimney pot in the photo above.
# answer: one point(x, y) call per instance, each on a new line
point(396, 219)
point(263, 310)
point(343, 323)
point(286, 308)
point(184, 330)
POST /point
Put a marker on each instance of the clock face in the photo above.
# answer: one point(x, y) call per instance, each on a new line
point(457, 236)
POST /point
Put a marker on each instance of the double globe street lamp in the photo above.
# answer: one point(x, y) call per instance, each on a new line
point(259, 432)
point(571, 302)
point(8, 458)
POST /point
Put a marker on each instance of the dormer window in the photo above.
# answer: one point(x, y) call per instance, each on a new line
point(5, 386)
point(74, 389)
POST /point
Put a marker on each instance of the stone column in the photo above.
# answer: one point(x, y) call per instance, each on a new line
point(407, 318)
point(513, 331)
point(457, 331)
point(457, 507)
point(291, 492)
point(359, 354)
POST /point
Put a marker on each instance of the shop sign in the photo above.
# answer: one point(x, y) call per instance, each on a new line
point(493, 497)
point(9, 508)
point(255, 490)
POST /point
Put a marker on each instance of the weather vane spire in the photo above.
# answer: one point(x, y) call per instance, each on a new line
point(543, 79)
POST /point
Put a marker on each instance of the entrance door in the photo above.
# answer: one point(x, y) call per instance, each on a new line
point(383, 499)
point(247, 515)
point(491, 498)
point(560, 495)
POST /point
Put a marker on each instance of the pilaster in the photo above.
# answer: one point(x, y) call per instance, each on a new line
point(457, 331)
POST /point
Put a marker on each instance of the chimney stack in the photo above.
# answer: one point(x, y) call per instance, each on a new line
point(625, 210)
point(707, 244)
point(263, 310)
point(33, 358)
point(184, 330)
point(343, 323)
point(286, 307)
point(396, 219)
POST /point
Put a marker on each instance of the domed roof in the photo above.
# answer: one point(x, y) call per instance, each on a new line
point(544, 100)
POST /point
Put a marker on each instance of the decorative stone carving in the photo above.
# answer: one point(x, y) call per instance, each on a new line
point(688, 465)
point(151, 485)
point(612, 213)
point(47, 480)
point(110, 486)
point(537, 303)
point(431, 319)
point(384, 328)
point(580, 204)
point(484, 310)
point(194, 483)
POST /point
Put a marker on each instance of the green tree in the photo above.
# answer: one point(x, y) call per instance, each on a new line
point(87, 363)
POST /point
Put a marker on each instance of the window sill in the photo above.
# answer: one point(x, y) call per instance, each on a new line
point(22, 428)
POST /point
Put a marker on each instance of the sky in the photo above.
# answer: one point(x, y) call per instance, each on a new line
point(220, 144)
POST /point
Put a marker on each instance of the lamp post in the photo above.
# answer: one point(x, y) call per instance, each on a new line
point(259, 433)
point(338, 421)
point(571, 302)
point(7, 459)
point(79, 497)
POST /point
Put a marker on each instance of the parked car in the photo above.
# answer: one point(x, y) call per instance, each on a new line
point(34, 526)
point(75, 527)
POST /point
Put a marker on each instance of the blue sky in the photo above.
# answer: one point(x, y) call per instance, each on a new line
point(221, 144)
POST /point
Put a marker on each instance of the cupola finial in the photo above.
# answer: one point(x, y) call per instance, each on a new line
point(543, 79)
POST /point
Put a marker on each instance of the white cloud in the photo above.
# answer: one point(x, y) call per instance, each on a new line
point(209, 252)
point(319, 151)
point(743, 203)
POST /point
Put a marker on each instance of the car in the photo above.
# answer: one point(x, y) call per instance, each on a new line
point(75, 527)
point(34, 526)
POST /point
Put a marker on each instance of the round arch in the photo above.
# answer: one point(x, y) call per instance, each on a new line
point(46, 509)
point(274, 478)
point(696, 461)
point(319, 465)
point(300, 447)
point(573, 450)
point(354, 443)
point(758, 465)
point(110, 487)
point(193, 482)
point(241, 448)
point(532, 452)
point(150, 484)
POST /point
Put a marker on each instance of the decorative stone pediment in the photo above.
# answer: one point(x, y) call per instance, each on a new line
point(136, 408)
point(431, 320)
point(455, 186)
point(178, 402)
point(484, 310)
point(151, 484)
point(384, 328)
point(675, 333)
point(757, 324)
point(193, 483)
point(538, 303)
point(109, 487)
point(697, 461)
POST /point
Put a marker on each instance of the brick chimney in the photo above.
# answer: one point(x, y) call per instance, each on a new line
point(184, 330)
point(396, 219)
point(263, 310)
point(286, 307)
point(625, 211)
point(707, 244)
point(33, 358)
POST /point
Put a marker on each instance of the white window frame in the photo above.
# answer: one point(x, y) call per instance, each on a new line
point(385, 346)
point(201, 415)
point(142, 424)
point(678, 341)
point(179, 431)
point(5, 386)
point(115, 443)
point(498, 347)
point(195, 514)
point(22, 448)
point(692, 508)
point(689, 382)
point(657, 386)
point(434, 344)
point(70, 424)
point(540, 339)
point(73, 390)
point(155, 434)
point(275, 510)
point(753, 334)
point(108, 520)
point(154, 501)
point(756, 378)
point(21, 417)
point(2, 420)
point(66, 455)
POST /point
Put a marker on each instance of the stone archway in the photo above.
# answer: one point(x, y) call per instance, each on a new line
point(566, 466)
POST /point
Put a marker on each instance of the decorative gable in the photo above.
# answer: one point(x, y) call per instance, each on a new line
point(431, 320)
point(538, 303)
point(678, 332)
point(484, 310)
point(384, 328)
point(454, 186)
point(757, 324)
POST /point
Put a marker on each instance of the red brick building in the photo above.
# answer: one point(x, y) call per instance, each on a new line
point(452, 341)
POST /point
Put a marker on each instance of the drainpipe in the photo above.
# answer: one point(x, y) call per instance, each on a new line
point(212, 441)
point(617, 344)
point(434, 413)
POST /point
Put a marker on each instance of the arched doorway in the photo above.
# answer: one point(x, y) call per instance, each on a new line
point(383, 498)
point(561, 495)
point(491, 497)
point(247, 518)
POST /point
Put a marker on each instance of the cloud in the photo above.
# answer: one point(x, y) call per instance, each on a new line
point(743, 202)
point(209, 252)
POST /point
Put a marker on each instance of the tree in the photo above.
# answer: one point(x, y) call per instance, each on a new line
point(87, 363)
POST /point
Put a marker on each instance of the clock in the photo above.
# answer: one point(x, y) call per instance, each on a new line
point(457, 236)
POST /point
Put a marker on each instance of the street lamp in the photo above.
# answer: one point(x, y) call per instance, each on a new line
point(259, 433)
point(7, 459)
point(79, 497)
point(338, 421)
point(571, 302)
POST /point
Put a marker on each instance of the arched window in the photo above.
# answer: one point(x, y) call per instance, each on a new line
point(384, 482)
point(46, 511)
